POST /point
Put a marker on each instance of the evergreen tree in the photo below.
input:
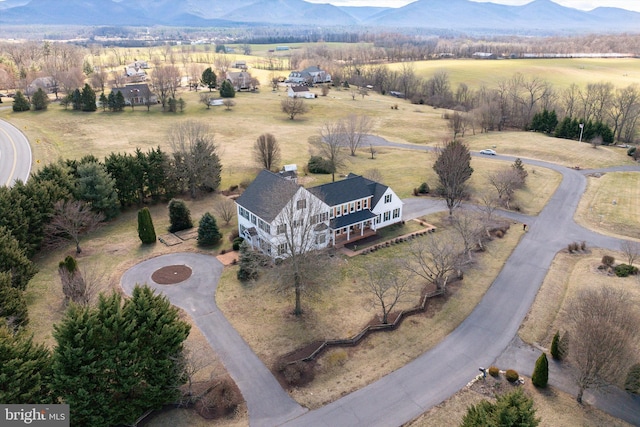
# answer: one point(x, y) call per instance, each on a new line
point(179, 216)
point(88, 98)
point(540, 376)
point(158, 175)
point(208, 78)
point(40, 100)
point(117, 360)
point(227, 90)
point(555, 347)
point(20, 103)
point(25, 370)
point(128, 174)
point(14, 261)
point(13, 306)
point(248, 264)
point(104, 102)
point(96, 187)
point(208, 233)
point(111, 101)
point(173, 105)
point(518, 166)
point(632, 383)
point(76, 99)
point(513, 409)
point(120, 102)
point(146, 231)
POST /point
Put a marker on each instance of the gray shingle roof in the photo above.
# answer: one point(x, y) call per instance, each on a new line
point(351, 219)
point(267, 195)
point(353, 187)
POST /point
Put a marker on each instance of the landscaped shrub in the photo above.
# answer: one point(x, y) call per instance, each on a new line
point(564, 345)
point(624, 270)
point(583, 246)
point(146, 231)
point(608, 260)
point(631, 151)
point(555, 347)
point(208, 232)
point(236, 243)
point(298, 373)
point(570, 248)
point(632, 383)
point(494, 371)
point(179, 216)
point(540, 375)
point(424, 188)
point(512, 375)
point(318, 164)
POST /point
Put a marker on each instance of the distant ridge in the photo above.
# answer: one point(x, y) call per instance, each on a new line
point(540, 16)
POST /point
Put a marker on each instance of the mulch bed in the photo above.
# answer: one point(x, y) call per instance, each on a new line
point(171, 274)
point(170, 239)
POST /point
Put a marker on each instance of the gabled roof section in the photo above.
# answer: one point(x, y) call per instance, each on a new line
point(353, 187)
point(299, 88)
point(267, 195)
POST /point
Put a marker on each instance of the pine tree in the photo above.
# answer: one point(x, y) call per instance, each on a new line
point(513, 409)
point(76, 99)
point(227, 90)
point(20, 103)
point(248, 263)
point(13, 306)
point(104, 102)
point(88, 98)
point(25, 370)
point(540, 376)
point(119, 359)
point(39, 100)
point(179, 216)
point(97, 187)
point(14, 261)
point(555, 347)
point(146, 231)
point(208, 78)
point(208, 233)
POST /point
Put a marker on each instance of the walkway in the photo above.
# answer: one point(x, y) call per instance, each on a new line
point(268, 404)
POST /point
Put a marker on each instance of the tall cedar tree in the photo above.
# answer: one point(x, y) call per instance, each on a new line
point(13, 306)
point(119, 359)
point(146, 231)
point(208, 78)
point(555, 347)
point(128, 172)
point(104, 101)
point(20, 103)
point(88, 98)
point(540, 376)
point(25, 369)
point(513, 409)
point(208, 232)
point(453, 167)
point(179, 216)
point(97, 187)
point(227, 90)
point(14, 261)
point(39, 100)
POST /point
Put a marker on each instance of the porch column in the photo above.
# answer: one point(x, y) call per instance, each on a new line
point(348, 233)
point(362, 228)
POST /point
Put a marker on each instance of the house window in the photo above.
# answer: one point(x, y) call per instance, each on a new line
point(244, 213)
point(345, 209)
point(282, 228)
point(365, 203)
point(338, 211)
point(387, 198)
point(359, 205)
point(264, 226)
point(378, 219)
point(324, 216)
point(298, 223)
point(321, 239)
point(253, 219)
point(283, 248)
point(387, 215)
point(301, 204)
point(242, 228)
point(352, 207)
point(396, 213)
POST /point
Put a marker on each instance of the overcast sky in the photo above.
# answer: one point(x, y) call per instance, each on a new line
point(576, 4)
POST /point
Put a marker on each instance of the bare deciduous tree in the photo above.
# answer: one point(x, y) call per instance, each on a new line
point(453, 167)
point(228, 103)
point(293, 107)
point(631, 250)
point(603, 325)
point(166, 80)
point(205, 99)
point(331, 146)
point(373, 175)
point(435, 257)
point(71, 220)
point(385, 285)
point(225, 209)
point(266, 151)
point(488, 204)
point(471, 230)
point(505, 181)
point(195, 156)
point(355, 129)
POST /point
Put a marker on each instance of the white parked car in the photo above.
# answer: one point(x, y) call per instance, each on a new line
point(488, 151)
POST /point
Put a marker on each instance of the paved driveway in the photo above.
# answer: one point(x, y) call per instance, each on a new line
point(268, 404)
point(15, 155)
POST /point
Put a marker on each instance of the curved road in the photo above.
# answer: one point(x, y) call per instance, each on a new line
point(15, 155)
point(440, 372)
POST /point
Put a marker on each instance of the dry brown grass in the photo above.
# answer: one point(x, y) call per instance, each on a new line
point(554, 408)
point(263, 319)
point(568, 274)
point(611, 204)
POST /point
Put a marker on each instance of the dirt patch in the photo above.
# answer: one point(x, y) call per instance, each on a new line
point(170, 239)
point(171, 274)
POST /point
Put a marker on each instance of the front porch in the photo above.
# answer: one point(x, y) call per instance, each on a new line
point(342, 239)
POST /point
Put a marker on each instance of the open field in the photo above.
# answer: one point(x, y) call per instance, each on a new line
point(340, 312)
point(611, 204)
point(561, 73)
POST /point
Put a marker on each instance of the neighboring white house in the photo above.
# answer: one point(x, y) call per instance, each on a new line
point(241, 80)
point(300, 92)
point(343, 211)
point(310, 75)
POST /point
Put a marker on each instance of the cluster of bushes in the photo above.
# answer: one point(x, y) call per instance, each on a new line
point(575, 247)
point(297, 373)
point(395, 241)
point(620, 270)
point(422, 189)
point(318, 164)
point(633, 152)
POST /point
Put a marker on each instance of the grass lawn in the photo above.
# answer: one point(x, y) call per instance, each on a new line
point(611, 204)
point(263, 318)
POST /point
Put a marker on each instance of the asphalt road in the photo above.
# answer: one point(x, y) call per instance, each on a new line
point(15, 155)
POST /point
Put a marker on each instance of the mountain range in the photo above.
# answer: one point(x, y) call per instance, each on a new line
point(539, 16)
